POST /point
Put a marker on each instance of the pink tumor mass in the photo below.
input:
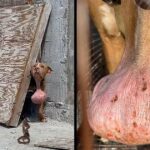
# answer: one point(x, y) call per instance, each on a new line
point(38, 97)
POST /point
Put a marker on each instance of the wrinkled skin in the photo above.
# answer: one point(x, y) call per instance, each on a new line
point(120, 107)
point(38, 97)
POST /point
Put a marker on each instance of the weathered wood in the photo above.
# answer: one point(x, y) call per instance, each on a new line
point(17, 34)
point(36, 45)
point(21, 30)
point(63, 144)
point(16, 2)
point(11, 2)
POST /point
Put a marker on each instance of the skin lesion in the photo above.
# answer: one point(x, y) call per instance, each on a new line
point(134, 124)
point(144, 86)
point(118, 130)
point(114, 99)
point(134, 114)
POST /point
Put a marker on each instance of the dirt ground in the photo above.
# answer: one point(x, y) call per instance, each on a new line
point(39, 132)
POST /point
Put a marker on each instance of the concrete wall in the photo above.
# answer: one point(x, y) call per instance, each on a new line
point(58, 52)
point(11, 2)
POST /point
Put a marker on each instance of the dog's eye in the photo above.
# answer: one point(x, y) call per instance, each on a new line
point(42, 66)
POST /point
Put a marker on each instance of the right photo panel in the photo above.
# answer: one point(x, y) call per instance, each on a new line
point(113, 92)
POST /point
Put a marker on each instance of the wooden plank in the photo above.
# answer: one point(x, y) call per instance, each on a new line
point(17, 33)
point(7, 99)
point(36, 45)
point(21, 32)
point(16, 2)
point(11, 2)
point(10, 74)
point(63, 144)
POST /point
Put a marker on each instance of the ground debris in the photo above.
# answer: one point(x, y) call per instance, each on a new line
point(63, 144)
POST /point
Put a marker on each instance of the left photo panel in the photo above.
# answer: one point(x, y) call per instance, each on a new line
point(36, 74)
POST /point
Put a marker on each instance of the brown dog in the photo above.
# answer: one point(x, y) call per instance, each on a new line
point(38, 72)
point(105, 18)
point(29, 1)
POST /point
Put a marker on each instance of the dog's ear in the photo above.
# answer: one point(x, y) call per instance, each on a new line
point(49, 70)
point(37, 61)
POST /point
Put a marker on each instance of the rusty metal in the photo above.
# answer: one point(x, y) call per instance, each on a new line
point(25, 139)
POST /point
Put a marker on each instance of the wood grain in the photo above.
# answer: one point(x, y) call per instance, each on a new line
point(7, 100)
point(11, 2)
point(34, 51)
point(18, 37)
point(16, 2)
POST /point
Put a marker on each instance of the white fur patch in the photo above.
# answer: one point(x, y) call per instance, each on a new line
point(104, 9)
point(108, 20)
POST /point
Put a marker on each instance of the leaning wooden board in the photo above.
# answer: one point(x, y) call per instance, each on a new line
point(21, 31)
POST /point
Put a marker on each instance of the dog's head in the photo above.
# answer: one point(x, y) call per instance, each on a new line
point(39, 71)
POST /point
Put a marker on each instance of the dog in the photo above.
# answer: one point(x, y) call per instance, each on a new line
point(29, 1)
point(38, 72)
point(103, 13)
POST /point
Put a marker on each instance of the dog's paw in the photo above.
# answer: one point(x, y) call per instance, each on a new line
point(44, 120)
